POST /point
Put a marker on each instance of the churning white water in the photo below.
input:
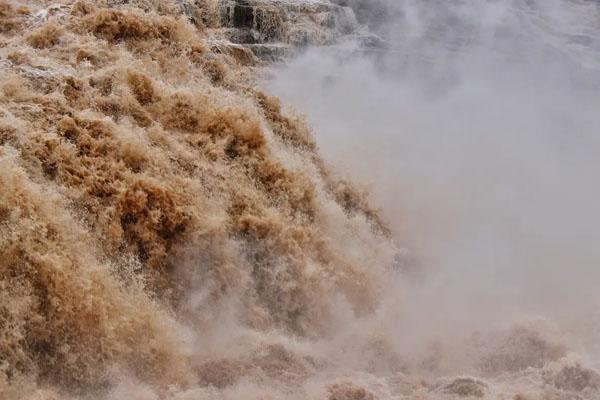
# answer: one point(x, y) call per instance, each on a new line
point(477, 132)
point(168, 231)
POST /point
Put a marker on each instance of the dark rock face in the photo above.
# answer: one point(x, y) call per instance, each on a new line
point(274, 29)
point(242, 14)
point(271, 26)
point(318, 22)
point(466, 387)
point(253, 21)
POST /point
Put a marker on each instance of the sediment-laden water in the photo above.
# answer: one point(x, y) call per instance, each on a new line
point(171, 230)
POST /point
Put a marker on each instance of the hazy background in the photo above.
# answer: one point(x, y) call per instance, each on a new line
point(478, 134)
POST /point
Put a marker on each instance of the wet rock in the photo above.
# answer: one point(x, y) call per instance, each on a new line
point(348, 391)
point(294, 22)
point(522, 347)
point(273, 29)
point(372, 41)
point(465, 387)
point(271, 52)
point(242, 54)
point(261, 21)
point(201, 13)
point(220, 373)
point(573, 377)
point(373, 13)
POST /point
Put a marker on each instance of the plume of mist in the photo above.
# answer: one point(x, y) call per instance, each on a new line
point(476, 133)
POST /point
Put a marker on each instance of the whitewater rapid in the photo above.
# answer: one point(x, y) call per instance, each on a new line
point(476, 133)
point(422, 225)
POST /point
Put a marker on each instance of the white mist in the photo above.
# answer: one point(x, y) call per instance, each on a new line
point(478, 134)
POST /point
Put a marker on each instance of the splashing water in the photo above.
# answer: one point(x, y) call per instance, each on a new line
point(169, 231)
point(476, 133)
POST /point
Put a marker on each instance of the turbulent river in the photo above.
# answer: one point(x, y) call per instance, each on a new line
point(415, 220)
